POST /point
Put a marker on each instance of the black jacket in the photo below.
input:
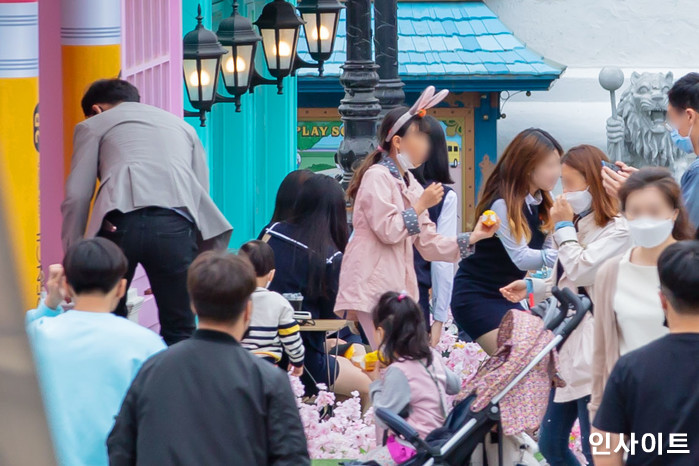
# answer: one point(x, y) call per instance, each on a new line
point(207, 400)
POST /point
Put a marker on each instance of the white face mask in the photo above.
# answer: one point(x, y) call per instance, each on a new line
point(404, 161)
point(580, 201)
point(649, 232)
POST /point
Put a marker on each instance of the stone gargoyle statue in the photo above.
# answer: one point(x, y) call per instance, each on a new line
point(637, 134)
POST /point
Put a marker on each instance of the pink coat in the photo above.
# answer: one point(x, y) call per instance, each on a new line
point(379, 256)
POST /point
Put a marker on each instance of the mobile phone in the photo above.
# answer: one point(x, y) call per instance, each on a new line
point(611, 166)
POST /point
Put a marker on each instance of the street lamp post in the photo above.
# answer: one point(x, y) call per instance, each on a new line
point(279, 26)
point(320, 28)
point(201, 64)
point(360, 107)
point(389, 90)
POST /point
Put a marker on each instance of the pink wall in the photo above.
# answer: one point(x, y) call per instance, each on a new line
point(152, 51)
point(51, 131)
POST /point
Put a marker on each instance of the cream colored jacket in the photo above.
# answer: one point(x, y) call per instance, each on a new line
point(581, 254)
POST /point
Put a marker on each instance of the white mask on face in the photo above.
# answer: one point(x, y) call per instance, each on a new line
point(404, 161)
point(580, 201)
point(649, 232)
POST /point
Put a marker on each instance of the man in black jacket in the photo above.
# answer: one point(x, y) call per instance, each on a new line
point(207, 400)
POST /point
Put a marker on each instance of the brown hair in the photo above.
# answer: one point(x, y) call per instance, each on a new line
point(384, 147)
point(510, 179)
point(588, 160)
point(260, 255)
point(220, 285)
point(662, 180)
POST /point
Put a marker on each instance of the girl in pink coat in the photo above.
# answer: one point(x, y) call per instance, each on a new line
point(390, 216)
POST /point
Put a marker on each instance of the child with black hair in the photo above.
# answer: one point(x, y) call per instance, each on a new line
point(272, 328)
point(415, 381)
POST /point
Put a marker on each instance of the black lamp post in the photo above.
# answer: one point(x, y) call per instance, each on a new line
point(320, 28)
point(240, 41)
point(389, 91)
point(201, 64)
point(279, 26)
point(359, 108)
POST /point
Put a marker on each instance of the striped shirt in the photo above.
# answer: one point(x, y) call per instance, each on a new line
point(273, 328)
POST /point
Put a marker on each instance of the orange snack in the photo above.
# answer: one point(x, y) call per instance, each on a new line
point(489, 218)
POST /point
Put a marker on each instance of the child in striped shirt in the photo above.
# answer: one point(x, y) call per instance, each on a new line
point(272, 328)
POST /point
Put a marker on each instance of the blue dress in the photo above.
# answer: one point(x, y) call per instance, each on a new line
point(477, 304)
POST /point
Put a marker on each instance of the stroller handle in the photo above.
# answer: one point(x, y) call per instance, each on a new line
point(569, 300)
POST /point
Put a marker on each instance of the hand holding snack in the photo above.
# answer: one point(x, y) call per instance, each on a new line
point(366, 362)
point(489, 218)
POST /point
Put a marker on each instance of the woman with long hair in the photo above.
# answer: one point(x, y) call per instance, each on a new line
point(390, 216)
point(518, 191)
point(588, 231)
point(628, 312)
point(308, 254)
point(286, 197)
point(437, 276)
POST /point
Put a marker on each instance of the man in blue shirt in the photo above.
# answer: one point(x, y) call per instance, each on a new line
point(683, 114)
point(86, 358)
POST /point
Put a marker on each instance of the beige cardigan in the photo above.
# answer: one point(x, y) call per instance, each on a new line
point(606, 332)
point(582, 255)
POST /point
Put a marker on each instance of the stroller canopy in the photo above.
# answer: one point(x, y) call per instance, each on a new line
point(521, 337)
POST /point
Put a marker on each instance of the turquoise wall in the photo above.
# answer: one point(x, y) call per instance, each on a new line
point(252, 151)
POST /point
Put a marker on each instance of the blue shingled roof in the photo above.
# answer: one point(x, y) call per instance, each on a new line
point(455, 41)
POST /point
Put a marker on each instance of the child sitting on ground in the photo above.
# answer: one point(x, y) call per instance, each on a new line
point(272, 324)
point(415, 382)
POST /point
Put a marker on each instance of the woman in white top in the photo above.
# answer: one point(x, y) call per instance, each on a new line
point(628, 313)
point(437, 276)
point(588, 231)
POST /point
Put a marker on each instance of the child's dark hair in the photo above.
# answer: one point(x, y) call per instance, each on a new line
point(94, 265)
point(260, 255)
point(384, 146)
point(405, 331)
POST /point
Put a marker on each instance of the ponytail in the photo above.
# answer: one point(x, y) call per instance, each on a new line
point(368, 161)
point(405, 330)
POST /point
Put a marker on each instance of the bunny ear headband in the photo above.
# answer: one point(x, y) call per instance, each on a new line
point(427, 99)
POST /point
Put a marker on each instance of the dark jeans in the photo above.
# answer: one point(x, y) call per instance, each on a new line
point(555, 430)
point(165, 243)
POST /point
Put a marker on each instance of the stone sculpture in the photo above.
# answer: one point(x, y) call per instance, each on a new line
point(636, 131)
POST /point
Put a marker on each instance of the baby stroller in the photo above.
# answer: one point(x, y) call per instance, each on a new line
point(464, 428)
